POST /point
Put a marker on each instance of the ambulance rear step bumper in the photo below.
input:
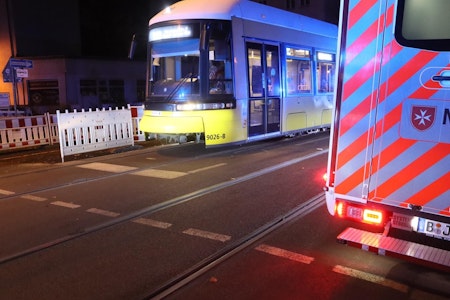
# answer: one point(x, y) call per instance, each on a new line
point(388, 246)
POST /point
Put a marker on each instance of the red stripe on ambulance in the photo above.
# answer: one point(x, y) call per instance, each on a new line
point(359, 11)
point(430, 192)
point(411, 171)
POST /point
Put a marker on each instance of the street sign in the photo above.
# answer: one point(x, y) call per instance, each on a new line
point(7, 74)
point(22, 73)
point(20, 63)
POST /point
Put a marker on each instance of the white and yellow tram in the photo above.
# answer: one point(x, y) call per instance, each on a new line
point(236, 71)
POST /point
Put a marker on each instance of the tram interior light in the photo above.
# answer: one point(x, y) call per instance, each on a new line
point(324, 56)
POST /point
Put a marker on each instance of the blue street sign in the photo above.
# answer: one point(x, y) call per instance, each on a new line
point(20, 63)
point(7, 74)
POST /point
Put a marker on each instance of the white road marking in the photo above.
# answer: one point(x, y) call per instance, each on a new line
point(102, 212)
point(107, 167)
point(371, 278)
point(152, 223)
point(33, 198)
point(207, 168)
point(207, 235)
point(7, 193)
point(285, 254)
point(65, 204)
point(163, 174)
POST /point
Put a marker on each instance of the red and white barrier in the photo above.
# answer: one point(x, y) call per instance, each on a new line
point(136, 115)
point(20, 132)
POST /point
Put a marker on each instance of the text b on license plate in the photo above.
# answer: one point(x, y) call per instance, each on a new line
point(434, 228)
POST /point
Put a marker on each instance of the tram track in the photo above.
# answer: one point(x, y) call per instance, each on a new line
point(149, 209)
point(234, 248)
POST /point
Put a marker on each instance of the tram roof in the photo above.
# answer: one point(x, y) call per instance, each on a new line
point(249, 10)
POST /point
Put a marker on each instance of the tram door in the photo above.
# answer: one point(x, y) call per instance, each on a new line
point(264, 88)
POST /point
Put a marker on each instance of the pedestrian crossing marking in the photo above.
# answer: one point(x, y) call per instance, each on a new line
point(113, 168)
point(152, 223)
point(33, 198)
point(103, 212)
point(207, 235)
point(7, 193)
point(65, 204)
point(163, 174)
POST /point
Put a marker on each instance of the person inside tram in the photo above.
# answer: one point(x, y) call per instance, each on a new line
point(216, 77)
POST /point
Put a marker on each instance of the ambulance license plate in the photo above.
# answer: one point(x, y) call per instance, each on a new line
point(434, 228)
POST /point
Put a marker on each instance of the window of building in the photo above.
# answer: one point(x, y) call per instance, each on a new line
point(116, 91)
point(290, 4)
point(140, 91)
point(107, 91)
point(88, 87)
point(298, 73)
point(43, 92)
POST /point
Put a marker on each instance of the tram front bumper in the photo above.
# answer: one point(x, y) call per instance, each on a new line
point(169, 122)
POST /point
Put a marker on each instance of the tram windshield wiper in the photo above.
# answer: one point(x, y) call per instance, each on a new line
point(180, 83)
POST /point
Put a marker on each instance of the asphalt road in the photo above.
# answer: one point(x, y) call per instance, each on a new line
point(121, 226)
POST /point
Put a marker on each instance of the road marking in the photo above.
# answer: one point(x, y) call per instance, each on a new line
point(107, 167)
point(163, 174)
point(207, 235)
point(371, 278)
point(207, 168)
point(65, 204)
point(33, 198)
point(7, 193)
point(152, 223)
point(285, 254)
point(102, 212)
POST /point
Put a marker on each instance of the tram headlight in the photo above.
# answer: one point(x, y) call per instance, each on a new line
point(203, 106)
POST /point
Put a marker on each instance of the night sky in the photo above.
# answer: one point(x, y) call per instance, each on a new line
point(107, 27)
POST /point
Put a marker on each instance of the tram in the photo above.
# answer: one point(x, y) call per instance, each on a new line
point(234, 71)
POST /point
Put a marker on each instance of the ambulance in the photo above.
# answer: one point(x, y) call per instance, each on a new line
point(389, 158)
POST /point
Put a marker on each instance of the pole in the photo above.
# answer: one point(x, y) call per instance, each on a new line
point(14, 82)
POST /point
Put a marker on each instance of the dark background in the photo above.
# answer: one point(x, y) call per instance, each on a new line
point(107, 27)
point(80, 28)
point(86, 28)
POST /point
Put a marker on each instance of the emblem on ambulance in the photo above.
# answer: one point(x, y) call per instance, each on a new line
point(422, 117)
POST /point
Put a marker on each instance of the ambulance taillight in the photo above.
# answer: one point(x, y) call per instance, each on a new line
point(360, 213)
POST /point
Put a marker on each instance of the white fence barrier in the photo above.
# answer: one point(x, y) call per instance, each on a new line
point(22, 132)
point(81, 132)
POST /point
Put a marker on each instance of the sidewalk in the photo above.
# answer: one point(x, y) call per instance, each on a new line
point(50, 156)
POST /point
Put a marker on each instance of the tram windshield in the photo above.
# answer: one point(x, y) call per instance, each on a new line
point(190, 61)
point(175, 68)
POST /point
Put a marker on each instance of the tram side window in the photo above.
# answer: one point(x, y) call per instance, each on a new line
point(326, 66)
point(220, 73)
point(255, 72)
point(298, 73)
